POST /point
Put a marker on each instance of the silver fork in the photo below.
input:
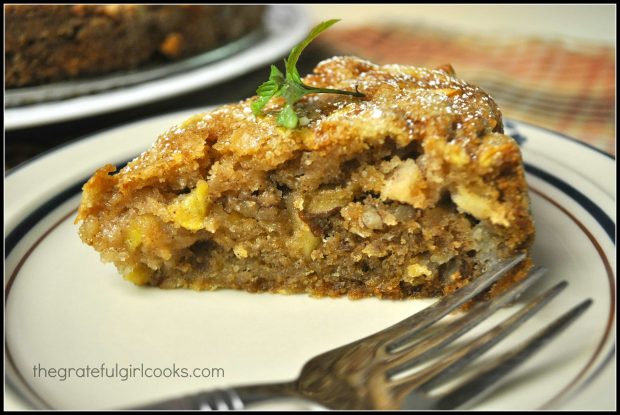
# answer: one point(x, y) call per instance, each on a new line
point(371, 373)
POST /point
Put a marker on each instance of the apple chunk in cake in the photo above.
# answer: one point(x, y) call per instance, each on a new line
point(409, 191)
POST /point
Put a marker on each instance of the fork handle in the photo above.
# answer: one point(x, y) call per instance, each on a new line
point(228, 399)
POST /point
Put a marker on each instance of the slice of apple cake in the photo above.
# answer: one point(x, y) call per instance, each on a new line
point(408, 191)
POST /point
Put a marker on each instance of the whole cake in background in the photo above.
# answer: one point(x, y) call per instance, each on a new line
point(50, 43)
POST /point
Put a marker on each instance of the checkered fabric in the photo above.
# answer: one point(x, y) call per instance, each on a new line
point(564, 86)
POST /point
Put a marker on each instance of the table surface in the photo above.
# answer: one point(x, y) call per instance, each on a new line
point(595, 23)
point(428, 35)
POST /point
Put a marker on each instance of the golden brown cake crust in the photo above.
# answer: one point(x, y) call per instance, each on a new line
point(409, 191)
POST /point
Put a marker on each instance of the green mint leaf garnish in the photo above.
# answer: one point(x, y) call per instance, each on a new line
point(291, 87)
point(268, 89)
point(287, 117)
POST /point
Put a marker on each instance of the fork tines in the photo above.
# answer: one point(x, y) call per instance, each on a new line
point(414, 341)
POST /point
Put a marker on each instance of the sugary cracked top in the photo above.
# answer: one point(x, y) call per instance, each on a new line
point(457, 125)
point(401, 102)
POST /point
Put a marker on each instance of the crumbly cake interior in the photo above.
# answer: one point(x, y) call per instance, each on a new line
point(410, 191)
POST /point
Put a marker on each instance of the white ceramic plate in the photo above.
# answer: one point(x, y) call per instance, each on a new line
point(284, 26)
point(65, 309)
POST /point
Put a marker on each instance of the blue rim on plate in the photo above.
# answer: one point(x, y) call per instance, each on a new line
point(606, 223)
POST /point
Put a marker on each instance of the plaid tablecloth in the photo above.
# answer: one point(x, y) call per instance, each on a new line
point(564, 86)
